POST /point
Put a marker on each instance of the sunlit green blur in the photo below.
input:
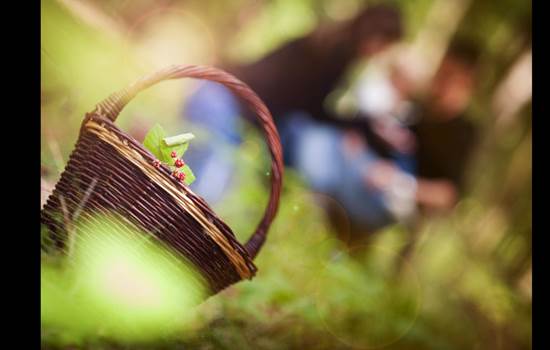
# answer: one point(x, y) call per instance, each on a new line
point(118, 284)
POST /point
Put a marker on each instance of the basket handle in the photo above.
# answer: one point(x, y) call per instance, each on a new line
point(111, 107)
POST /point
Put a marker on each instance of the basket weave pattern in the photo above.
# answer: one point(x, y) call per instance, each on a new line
point(110, 172)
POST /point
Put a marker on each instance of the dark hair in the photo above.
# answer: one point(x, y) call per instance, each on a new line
point(464, 51)
point(378, 20)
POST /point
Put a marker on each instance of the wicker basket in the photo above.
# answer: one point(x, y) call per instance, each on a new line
point(109, 171)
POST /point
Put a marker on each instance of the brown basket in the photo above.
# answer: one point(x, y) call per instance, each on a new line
point(109, 171)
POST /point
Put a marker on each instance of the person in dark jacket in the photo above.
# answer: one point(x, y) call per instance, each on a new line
point(300, 75)
point(444, 142)
point(295, 79)
point(444, 135)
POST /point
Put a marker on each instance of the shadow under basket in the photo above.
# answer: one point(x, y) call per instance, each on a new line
point(110, 172)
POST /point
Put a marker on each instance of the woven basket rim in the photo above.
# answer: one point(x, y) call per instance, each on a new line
point(110, 108)
point(133, 151)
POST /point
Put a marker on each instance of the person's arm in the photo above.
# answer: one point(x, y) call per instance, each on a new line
point(393, 135)
point(362, 125)
point(435, 194)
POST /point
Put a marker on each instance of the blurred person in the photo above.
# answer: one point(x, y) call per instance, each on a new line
point(293, 81)
point(383, 95)
point(445, 136)
point(431, 145)
point(300, 75)
point(384, 166)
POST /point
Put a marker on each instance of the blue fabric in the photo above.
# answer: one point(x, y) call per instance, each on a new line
point(214, 107)
point(315, 151)
point(214, 112)
point(406, 162)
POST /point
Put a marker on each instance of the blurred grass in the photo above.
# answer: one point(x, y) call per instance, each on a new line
point(464, 285)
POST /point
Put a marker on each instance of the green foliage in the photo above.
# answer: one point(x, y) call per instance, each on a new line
point(189, 176)
point(155, 142)
point(118, 283)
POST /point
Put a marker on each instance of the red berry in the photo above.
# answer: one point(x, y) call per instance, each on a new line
point(156, 163)
point(181, 176)
point(173, 154)
point(179, 163)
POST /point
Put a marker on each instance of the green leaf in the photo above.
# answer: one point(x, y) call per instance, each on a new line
point(189, 176)
point(153, 141)
point(166, 150)
point(178, 139)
